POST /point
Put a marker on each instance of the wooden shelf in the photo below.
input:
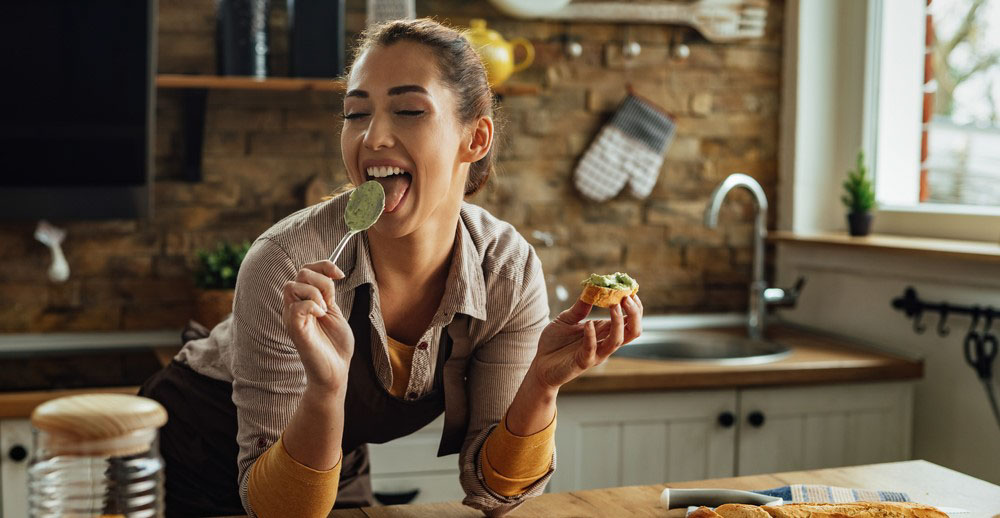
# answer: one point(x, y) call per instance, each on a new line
point(293, 84)
point(289, 84)
point(950, 248)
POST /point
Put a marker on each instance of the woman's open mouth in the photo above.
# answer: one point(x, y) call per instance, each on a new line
point(394, 180)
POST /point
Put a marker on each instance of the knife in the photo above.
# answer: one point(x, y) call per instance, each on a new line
point(672, 498)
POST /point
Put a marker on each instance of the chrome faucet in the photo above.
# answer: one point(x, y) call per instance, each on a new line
point(760, 295)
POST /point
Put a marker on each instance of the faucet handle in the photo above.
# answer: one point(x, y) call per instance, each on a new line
point(784, 298)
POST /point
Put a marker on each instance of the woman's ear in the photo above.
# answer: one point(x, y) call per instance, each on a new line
point(479, 141)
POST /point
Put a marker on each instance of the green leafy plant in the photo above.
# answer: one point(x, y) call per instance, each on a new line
point(859, 194)
point(217, 268)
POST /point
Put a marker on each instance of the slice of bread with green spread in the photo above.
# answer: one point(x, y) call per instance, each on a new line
point(607, 290)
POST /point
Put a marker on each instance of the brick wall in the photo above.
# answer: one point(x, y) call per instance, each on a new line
point(262, 149)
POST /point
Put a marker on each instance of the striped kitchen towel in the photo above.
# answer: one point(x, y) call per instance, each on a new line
point(629, 150)
point(832, 494)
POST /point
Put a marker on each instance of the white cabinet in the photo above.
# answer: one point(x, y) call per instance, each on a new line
point(608, 440)
point(15, 452)
point(408, 470)
point(632, 438)
point(786, 429)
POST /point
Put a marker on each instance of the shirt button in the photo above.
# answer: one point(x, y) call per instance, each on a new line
point(411, 395)
point(262, 442)
point(422, 346)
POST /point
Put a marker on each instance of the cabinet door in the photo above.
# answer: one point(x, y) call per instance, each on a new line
point(609, 440)
point(15, 451)
point(796, 428)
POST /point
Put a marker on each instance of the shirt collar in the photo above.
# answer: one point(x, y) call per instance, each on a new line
point(465, 287)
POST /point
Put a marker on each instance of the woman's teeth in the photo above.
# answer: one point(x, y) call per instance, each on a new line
point(382, 172)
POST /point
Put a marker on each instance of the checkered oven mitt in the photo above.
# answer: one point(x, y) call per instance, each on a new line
point(629, 149)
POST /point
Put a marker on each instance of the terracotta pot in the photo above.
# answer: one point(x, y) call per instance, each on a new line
point(859, 223)
point(212, 306)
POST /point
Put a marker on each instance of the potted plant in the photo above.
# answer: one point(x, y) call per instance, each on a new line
point(859, 197)
point(215, 280)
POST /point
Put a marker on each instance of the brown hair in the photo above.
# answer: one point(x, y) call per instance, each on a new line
point(461, 70)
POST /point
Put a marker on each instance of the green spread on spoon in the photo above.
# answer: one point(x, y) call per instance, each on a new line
point(615, 281)
point(364, 206)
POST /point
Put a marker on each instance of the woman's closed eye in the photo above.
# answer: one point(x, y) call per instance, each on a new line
point(410, 113)
point(355, 115)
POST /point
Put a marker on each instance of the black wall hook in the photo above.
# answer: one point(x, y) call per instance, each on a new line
point(918, 326)
point(942, 327)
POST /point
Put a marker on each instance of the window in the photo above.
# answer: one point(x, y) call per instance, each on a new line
point(961, 158)
point(933, 104)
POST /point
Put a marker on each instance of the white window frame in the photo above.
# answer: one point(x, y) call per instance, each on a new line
point(853, 74)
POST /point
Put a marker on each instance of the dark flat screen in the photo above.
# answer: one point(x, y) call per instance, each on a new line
point(75, 99)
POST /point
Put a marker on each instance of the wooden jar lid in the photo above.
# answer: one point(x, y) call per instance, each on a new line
point(98, 417)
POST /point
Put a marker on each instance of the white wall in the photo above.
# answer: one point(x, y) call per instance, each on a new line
point(848, 292)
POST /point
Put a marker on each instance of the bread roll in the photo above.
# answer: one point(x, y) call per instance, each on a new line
point(808, 510)
point(604, 297)
point(851, 510)
point(741, 511)
point(704, 512)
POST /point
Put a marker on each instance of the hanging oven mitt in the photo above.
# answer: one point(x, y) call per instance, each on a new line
point(629, 149)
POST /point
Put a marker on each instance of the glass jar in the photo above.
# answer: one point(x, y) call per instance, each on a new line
point(96, 455)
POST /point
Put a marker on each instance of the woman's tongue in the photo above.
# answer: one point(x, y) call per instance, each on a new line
point(395, 187)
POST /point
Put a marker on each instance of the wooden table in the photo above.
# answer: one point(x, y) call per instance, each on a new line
point(923, 481)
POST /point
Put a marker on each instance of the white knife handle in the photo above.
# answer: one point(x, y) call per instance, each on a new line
point(674, 498)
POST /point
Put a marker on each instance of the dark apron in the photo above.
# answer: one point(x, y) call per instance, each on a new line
point(198, 443)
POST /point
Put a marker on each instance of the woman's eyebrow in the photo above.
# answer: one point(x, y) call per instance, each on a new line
point(398, 90)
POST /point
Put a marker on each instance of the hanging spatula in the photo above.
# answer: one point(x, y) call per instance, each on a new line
point(717, 20)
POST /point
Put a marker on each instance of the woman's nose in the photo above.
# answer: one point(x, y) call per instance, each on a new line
point(379, 134)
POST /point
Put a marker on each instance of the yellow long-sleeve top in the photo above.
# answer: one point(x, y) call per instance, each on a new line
point(281, 486)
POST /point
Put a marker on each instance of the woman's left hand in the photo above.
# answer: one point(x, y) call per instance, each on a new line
point(569, 346)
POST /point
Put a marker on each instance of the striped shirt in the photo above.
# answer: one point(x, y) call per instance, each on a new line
point(494, 309)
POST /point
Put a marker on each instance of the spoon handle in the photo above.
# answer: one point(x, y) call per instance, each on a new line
point(341, 246)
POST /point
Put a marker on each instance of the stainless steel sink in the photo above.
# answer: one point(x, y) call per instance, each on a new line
point(702, 346)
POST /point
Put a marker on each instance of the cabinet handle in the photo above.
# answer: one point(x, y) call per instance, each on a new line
point(726, 419)
point(756, 419)
point(400, 498)
point(17, 453)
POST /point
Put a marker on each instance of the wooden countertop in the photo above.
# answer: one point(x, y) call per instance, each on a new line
point(923, 481)
point(814, 359)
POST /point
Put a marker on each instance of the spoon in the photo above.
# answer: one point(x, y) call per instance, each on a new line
point(364, 206)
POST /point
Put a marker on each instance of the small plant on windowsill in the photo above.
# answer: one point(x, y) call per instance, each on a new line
point(859, 197)
point(215, 280)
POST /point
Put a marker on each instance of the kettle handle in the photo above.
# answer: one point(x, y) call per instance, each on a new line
point(529, 53)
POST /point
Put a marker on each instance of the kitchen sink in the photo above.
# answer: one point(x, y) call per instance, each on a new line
point(702, 346)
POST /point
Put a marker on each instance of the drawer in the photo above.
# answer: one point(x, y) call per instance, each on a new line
point(417, 488)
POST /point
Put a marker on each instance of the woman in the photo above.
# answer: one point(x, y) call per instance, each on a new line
point(439, 307)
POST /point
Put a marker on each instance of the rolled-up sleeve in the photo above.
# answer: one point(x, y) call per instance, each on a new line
point(268, 377)
point(495, 372)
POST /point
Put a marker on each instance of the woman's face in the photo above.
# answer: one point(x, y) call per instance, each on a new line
point(401, 129)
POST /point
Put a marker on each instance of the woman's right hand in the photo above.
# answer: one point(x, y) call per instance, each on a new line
point(318, 328)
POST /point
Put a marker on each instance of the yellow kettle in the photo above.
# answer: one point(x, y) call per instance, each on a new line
point(498, 54)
